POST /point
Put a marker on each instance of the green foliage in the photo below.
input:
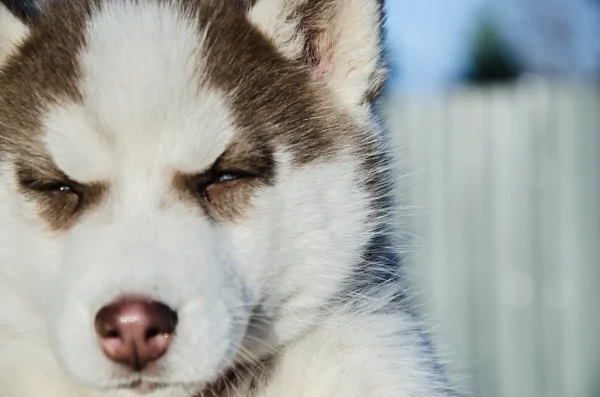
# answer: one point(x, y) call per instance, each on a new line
point(491, 59)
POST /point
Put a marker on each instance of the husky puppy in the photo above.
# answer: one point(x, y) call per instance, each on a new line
point(194, 202)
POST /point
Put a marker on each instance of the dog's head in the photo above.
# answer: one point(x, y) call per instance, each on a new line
point(184, 183)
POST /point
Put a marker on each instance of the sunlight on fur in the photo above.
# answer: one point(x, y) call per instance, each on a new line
point(197, 200)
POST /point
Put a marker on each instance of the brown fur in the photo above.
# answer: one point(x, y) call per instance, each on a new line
point(276, 102)
point(227, 201)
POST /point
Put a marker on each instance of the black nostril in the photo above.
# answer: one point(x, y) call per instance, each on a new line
point(152, 332)
point(163, 320)
point(112, 334)
point(105, 326)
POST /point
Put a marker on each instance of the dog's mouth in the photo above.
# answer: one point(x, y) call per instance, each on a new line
point(227, 379)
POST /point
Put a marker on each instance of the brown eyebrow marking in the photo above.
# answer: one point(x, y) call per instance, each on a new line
point(228, 201)
point(59, 210)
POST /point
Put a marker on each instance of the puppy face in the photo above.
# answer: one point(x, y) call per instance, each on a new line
point(182, 156)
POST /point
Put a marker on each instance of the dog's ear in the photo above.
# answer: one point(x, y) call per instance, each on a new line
point(339, 40)
point(15, 16)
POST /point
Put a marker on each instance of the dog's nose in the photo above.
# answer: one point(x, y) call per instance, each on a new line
point(135, 332)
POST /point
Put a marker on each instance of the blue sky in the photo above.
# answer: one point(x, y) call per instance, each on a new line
point(427, 40)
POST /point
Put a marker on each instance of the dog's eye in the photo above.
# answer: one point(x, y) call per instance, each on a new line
point(222, 181)
point(59, 188)
point(230, 176)
point(226, 177)
point(52, 188)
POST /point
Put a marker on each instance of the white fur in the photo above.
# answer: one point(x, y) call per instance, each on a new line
point(144, 116)
point(143, 119)
point(12, 32)
point(333, 361)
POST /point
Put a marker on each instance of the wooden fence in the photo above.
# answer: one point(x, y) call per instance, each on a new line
point(504, 199)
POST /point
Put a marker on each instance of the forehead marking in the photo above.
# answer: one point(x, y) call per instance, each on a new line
point(143, 105)
point(74, 146)
point(139, 59)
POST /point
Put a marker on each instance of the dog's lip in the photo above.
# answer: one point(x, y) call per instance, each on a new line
point(213, 388)
point(142, 387)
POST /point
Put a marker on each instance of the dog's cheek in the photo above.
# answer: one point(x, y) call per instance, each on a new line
point(249, 244)
point(40, 255)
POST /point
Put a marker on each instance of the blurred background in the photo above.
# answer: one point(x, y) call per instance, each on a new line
point(494, 111)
